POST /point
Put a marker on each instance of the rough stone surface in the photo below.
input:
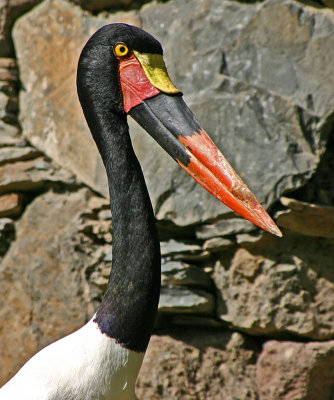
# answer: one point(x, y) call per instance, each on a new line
point(31, 175)
point(227, 107)
point(51, 115)
point(8, 95)
point(300, 55)
point(181, 274)
point(296, 371)
point(8, 70)
point(173, 247)
point(96, 6)
point(279, 286)
point(10, 205)
point(308, 219)
point(206, 366)
point(41, 289)
point(9, 12)
point(223, 227)
point(217, 244)
point(7, 234)
point(12, 154)
point(186, 301)
point(249, 43)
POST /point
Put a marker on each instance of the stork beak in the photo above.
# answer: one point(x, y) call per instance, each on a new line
point(157, 105)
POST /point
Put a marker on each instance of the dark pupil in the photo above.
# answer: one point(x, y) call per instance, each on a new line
point(122, 49)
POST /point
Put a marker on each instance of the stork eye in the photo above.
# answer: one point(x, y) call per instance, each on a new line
point(121, 50)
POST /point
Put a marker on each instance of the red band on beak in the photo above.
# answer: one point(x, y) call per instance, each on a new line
point(134, 83)
point(210, 168)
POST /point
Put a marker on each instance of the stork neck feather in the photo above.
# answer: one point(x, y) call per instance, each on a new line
point(129, 306)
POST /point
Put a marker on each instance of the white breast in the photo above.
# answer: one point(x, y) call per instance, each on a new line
point(85, 365)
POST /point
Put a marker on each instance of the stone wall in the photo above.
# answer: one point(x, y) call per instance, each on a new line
point(242, 314)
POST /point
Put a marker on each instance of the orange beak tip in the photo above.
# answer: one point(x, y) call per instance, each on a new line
point(275, 231)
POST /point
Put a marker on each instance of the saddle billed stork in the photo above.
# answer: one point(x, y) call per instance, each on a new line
point(121, 71)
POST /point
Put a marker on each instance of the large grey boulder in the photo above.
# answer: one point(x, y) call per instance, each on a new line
point(279, 287)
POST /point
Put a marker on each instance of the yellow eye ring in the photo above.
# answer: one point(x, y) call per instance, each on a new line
point(121, 50)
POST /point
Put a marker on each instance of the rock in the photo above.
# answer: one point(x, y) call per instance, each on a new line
point(41, 280)
point(194, 320)
point(223, 227)
point(329, 3)
point(8, 95)
point(51, 115)
point(100, 281)
point(217, 244)
point(9, 12)
point(99, 230)
point(279, 286)
point(231, 105)
point(248, 237)
point(13, 154)
point(173, 247)
point(7, 139)
point(27, 176)
point(11, 205)
point(9, 130)
point(96, 6)
point(183, 251)
point(108, 254)
point(308, 219)
point(176, 273)
point(9, 83)
point(7, 235)
point(98, 203)
point(8, 69)
point(300, 55)
point(226, 107)
point(186, 301)
point(206, 365)
point(290, 371)
point(241, 106)
point(105, 214)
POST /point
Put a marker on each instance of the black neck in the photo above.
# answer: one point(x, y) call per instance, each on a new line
point(129, 306)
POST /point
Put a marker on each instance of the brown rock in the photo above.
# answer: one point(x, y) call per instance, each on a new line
point(95, 6)
point(9, 130)
point(11, 205)
point(181, 300)
point(217, 244)
point(31, 175)
point(41, 286)
point(306, 218)
point(175, 273)
point(9, 12)
point(52, 117)
point(13, 154)
point(7, 235)
point(329, 3)
point(203, 365)
point(8, 70)
point(279, 285)
point(7, 139)
point(291, 371)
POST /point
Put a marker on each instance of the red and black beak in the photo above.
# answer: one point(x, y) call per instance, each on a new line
point(154, 102)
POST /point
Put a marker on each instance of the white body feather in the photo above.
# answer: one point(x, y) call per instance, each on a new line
point(86, 365)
